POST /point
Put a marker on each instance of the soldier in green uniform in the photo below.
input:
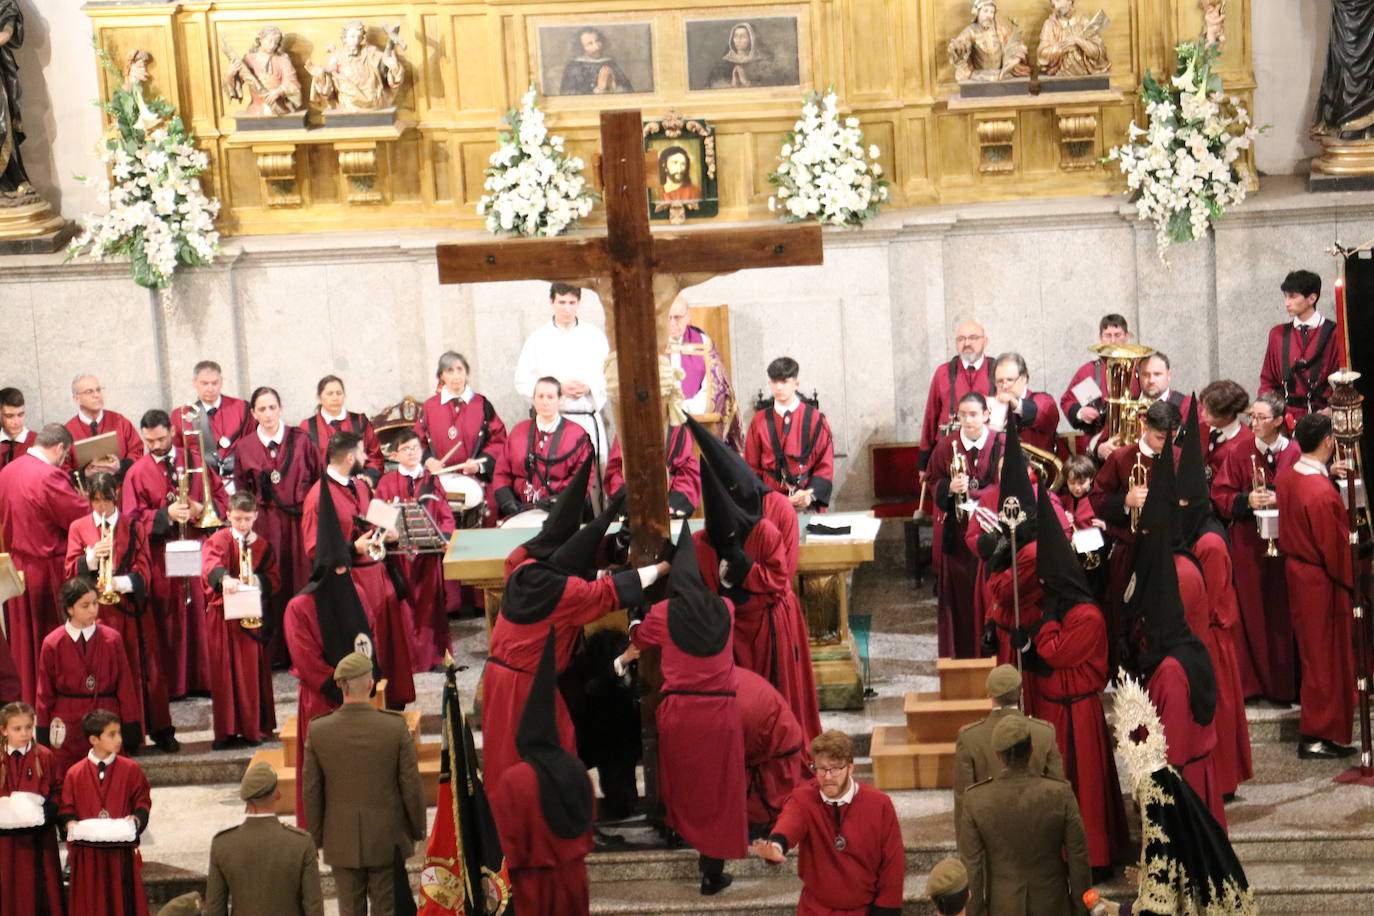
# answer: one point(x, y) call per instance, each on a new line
point(1017, 829)
point(947, 887)
point(974, 758)
point(263, 866)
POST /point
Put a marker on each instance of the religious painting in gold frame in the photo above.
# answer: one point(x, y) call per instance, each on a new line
point(742, 53)
point(594, 57)
point(681, 154)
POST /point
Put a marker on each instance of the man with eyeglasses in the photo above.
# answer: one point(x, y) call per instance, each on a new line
point(92, 419)
point(969, 370)
point(1088, 418)
point(1037, 411)
point(850, 853)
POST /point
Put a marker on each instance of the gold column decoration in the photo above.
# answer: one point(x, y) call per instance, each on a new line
point(277, 174)
point(358, 172)
point(1077, 138)
point(996, 149)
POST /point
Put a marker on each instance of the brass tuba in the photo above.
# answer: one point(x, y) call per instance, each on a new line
point(1048, 466)
point(1122, 371)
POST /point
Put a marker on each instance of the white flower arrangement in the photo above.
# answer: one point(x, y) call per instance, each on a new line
point(536, 188)
point(824, 173)
point(1185, 170)
point(158, 215)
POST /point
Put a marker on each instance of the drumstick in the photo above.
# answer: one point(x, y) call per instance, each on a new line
point(448, 454)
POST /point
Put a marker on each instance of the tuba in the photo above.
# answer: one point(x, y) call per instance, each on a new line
point(1122, 371)
point(105, 571)
point(246, 578)
point(1049, 467)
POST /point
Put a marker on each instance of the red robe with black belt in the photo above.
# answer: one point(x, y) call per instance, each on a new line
point(308, 666)
point(423, 573)
point(700, 743)
point(132, 616)
point(148, 491)
point(106, 878)
point(1233, 732)
point(942, 399)
point(779, 510)
point(548, 873)
point(684, 472)
point(391, 617)
point(796, 453)
point(241, 700)
point(1265, 647)
point(868, 872)
point(11, 449)
point(956, 566)
point(1314, 537)
point(1310, 382)
point(478, 434)
point(128, 446)
point(38, 504)
point(318, 430)
point(1070, 699)
point(556, 457)
point(28, 858)
point(775, 749)
point(73, 682)
point(1190, 744)
point(770, 635)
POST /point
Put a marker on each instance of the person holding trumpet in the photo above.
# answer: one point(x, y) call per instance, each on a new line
point(460, 429)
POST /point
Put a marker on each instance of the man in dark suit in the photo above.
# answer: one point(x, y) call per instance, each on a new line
point(363, 799)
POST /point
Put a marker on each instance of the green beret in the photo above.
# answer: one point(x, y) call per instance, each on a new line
point(1012, 730)
point(259, 780)
point(1002, 680)
point(354, 664)
point(185, 905)
point(947, 877)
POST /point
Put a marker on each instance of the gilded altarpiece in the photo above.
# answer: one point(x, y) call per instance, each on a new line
point(467, 63)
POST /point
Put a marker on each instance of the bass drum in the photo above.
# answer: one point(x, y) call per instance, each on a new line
point(466, 497)
point(530, 518)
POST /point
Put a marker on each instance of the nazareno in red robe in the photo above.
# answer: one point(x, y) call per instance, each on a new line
point(547, 872)
point(132, 616)
point(28, 858)
point(302, 628)
point(389, 616)
point(1265, 647)
point(1314, 538)
point(701, 775)
point(178, 603)
point(684, 471)
point(423, 573)
point(1002, 612)
point(241, 701)
point(38, 504)
point(769, 634)
point(537, 466)
point(73, 682)
point(298, 466)
point(106, 878)
point(472, 440)
point(318, 430)
point(1190, 744)
point(1070, 699)
point(774, 748)
point(780, 511)
point(955, 565)
point(807, 459)
point(867, 873)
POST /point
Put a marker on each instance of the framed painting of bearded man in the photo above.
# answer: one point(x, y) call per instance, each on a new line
point(596, 58)
point(680, 156)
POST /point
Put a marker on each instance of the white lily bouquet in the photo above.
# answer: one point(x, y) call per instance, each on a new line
point(1184, 171)
point(159, 217)
point(536, 188)
point(823, 172)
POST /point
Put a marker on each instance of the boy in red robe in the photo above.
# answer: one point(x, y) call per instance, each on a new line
point(129, 613)
point(242, 706)
point(684, 472)
point(852, 859)
point(774, 749)
point(789, 445)
point(1315, 540)
point(28, 855)
point(541, 456)
point(1304, 350)
point(543, 808)
point(15, 438)
point(106, 877)
point(700, 739)
point(1219, 406)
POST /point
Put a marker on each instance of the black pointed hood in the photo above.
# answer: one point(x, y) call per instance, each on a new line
point(735, 476)
point(339, 611)
point(1014, 483)
point(1057, 567)
point(727, 522)
point(565, 515)
point(1195, 519)
point(577, 555)
point(565, 791)
point(698, 620)
point(533, 590)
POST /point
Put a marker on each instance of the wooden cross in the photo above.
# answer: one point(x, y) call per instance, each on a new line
point(637, 275)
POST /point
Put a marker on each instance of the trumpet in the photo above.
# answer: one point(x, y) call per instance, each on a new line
point(105, 571)
point(958, 465)
point(1260, 484)
point(376, 550)
point(1139, 478)
point(246, 578)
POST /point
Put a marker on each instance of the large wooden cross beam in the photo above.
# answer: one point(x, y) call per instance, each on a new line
point(637, 275)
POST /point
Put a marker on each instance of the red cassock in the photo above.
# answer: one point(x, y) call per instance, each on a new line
point(131, 617)
point(1265, 647)
point(228, 423)
point(775, 749)
point(1190, 744)
point(149, 488)
point(956, 566)
point(1070, 700)
point(129, 444)
point(536, 465)
point(950, 382)
point(1218, 454)
point(700, 742)
point(73, 681)
point(11, 449)
point(106, 878)
point(1314, 537)
point(779, 510)
point(459, 431)
point(1093, 369)
point(795, 452)
point(1233, 732)
point(868, 872)
point(684, 471)
point(1322, 351)
point(318, 430)
point(308, 666)
point(513, 657)
point(389, 615)
point(241, 700)
point(1002, 612)
point(28, 858)
point(424, 573)
point(298, 466)
point(547, 872)
point(769, 636)
point(38, 504)
point(1040, 421)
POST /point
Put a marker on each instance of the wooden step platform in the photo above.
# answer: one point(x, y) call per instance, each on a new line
point(930, 719)
point(919, 754)
point(288, 733)
point(902, 764)
point(964, 678)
